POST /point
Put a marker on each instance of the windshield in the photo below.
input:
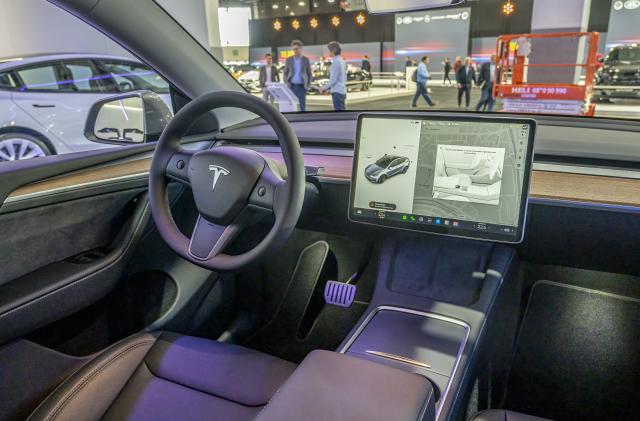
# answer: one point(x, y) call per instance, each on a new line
point(487, 56)
point(631, 54)
point(305, 56)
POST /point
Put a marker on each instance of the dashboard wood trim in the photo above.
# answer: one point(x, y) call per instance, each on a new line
point(560, 186)
point(85, 177)
point(585, 188)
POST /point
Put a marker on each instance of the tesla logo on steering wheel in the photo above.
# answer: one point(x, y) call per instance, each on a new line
point(217, 172)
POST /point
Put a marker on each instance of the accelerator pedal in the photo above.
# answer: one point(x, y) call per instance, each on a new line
point(339, 294)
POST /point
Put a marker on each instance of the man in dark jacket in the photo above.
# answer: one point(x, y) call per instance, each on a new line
point(297, 74)
point(487, 74)
point(268, 73)
point(366, 64)
point(465, 75)
point(446, 67)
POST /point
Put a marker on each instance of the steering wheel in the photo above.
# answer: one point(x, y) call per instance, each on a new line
point(231, 185)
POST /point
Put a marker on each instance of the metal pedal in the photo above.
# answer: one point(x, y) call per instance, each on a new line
point(339, 294)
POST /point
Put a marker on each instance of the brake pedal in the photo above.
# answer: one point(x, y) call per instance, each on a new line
point(339, 294)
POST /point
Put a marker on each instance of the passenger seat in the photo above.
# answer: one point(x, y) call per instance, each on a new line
point(502, 415)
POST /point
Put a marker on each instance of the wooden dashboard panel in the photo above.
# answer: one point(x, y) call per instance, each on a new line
point(88, 176)
point(544, 184)
point(585, 188)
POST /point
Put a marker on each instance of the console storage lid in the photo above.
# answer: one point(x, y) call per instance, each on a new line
point(332, 386)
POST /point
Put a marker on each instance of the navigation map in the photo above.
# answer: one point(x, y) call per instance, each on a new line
point(470, 171)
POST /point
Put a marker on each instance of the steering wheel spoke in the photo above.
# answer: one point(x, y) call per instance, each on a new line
point(209, 239)
point(265, 191)
point(178, 167)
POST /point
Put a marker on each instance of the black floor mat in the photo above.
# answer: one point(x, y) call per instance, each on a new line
point(290, 281)
point(577, 355)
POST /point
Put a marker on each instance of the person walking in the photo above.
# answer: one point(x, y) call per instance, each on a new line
point(446, 67)
point(465, 76)
point(487, 74)
point(268, 74)
point(297, 73)
point(422, 76)
point(337, 77)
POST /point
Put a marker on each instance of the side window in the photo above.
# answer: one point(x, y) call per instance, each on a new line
point(80, 76)
point(134, 77)
point(40, 78)
point(7, 81)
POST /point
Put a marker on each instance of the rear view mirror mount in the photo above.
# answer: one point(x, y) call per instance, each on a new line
point(395, 6)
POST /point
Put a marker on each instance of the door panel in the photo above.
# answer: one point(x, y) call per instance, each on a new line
point(76, 226)
point(61, 258)
point(34, 238)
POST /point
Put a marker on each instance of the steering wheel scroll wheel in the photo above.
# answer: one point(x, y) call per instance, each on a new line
point(230, 185)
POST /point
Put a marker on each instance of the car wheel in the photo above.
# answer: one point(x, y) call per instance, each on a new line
point(382, 179)
point(20, 146)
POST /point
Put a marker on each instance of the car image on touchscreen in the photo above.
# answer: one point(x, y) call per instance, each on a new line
point(385, 167)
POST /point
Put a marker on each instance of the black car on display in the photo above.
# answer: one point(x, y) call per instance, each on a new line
point(619, 76)
point(386, 167)
point(357, 79)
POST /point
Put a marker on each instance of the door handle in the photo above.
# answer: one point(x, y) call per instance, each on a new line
point(43, 105)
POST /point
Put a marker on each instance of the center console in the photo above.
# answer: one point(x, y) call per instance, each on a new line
point(428, 344)
point(443, 308)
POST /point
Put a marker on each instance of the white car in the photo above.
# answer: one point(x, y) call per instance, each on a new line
point(45, 99)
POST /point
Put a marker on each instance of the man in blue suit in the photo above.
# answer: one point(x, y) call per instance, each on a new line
point(297, 73)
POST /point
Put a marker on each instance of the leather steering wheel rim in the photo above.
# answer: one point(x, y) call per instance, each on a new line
point(286, 195)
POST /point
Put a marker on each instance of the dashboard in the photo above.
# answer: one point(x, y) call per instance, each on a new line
point(466, 177)
point(571, 202)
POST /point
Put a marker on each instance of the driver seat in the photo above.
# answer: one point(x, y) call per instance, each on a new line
point(165, 376)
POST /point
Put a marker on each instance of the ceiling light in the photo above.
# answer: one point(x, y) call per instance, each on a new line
point(335, 20)
point(361, 19)
point(508, 8)
point(301, 3)
point(313, 23)
point(274, 6)
point(295, 24)
point(291, 13)
point(277, 25)
point(331, 1)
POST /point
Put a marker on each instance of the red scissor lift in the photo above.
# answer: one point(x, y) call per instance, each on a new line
point(549, 98)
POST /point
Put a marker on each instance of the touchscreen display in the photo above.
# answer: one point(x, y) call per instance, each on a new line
point(464, 176)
